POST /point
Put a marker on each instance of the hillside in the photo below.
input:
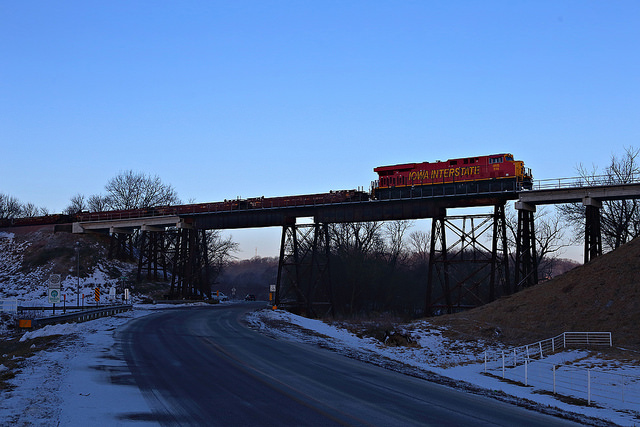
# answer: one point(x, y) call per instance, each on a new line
point(603, 295)
point(29, 255)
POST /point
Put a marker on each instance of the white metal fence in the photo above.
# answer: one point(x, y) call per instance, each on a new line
point(524, 365)
point(546, 347)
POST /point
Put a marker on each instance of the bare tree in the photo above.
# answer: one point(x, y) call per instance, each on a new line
point(9, 207)
point(76, 204)
point(619, 219)
point(395, 231)
point(220, 252)
point(97, 203)
point(420, 242)
point(29, 210)
point(550, 240)
point(357, 237)
point(357, 247)
point(130, 190)
point(550, 234)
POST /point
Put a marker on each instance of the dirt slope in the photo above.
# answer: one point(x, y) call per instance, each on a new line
point(603, 295)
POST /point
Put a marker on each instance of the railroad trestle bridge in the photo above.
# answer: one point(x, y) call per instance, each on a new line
point(178, 242)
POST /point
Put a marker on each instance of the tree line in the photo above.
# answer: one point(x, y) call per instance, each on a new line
point(11, 207)
point(376, 263)
point(127, 190)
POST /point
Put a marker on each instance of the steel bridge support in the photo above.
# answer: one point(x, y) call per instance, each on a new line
point(152, 255)
point(190, 272)
point(526, 267)
point(121, 245)
point(303, 283)
point(469, 273)
point(592, 233)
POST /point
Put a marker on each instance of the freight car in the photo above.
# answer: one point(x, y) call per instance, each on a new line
point(340, 196)
point(36, 220)
point(492, 173)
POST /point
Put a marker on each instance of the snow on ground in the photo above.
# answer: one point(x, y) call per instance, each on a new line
point(449, 359)
point(81, 382)
point(78, 383)
point(30, 287)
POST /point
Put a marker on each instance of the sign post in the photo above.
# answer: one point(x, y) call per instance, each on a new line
point(54, 290)
point(272, 290)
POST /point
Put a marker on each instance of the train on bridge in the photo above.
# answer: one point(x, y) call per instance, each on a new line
point(468, 175)
point(497, 172)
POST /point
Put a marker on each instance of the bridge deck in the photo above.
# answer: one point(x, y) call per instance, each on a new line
point(361, 211)
point(578, 194)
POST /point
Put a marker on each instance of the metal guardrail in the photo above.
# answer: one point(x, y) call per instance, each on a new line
point(9, 305)
point(79, 316)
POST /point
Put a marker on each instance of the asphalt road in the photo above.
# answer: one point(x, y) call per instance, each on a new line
point(203, 366)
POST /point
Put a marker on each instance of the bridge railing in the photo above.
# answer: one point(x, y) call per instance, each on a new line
point(577, 182)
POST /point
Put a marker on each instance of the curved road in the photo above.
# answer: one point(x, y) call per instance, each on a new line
point(203, 366)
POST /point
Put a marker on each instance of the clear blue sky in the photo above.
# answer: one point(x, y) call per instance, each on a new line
point(252, 98)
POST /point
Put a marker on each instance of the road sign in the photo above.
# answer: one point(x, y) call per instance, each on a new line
point(54, 281)
point(272, 288)
point(54, 296)
point(97, 294)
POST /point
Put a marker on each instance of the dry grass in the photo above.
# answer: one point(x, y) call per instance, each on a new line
point(13, 353)
point(603, 295)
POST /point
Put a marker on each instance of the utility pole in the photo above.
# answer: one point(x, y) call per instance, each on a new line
point(78, 273)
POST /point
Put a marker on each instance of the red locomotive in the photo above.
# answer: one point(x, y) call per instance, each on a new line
point(497, 172)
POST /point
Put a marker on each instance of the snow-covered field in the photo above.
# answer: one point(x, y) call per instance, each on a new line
point(80, 381)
